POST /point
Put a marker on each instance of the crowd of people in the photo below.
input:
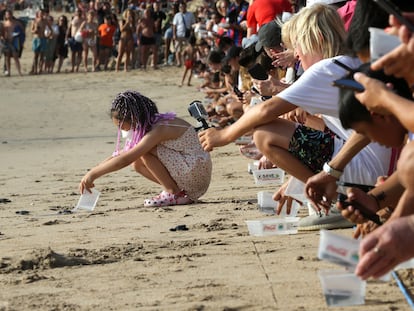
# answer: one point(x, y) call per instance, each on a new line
point(104, 35)
point(320, 134)
point(267, 69)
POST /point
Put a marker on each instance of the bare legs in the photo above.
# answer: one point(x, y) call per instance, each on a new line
point(121, 51)
point(60, 63)
point(154, 56)
point(167, 50)
point(152, 168)
point(86, 48)
point(273, 141)
point(124, 48)
point(85, 55)
point(184, 75)
point(145, 49)
point(144, 55)
point(76, 60)
point(16, 60)
point(104, 56)
point(37, 63)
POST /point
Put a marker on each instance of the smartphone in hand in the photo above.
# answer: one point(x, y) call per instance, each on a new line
point(364, 188)
point(342, 198)
point(238, 92)
point(350, 84)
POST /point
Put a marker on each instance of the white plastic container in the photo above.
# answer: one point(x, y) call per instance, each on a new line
point(274, 176)
point(342, 288)
point(273, 226)
point(255, 100)
point(296, 189)
point(338, 249)
point(268, 206)
point(381, 42)
point(252, 167)
point(311, 209)
point(87, 201)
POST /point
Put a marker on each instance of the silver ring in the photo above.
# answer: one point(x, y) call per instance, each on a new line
point(376, 250)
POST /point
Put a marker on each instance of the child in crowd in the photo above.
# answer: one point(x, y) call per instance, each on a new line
point(106, 33)
point(161, 147)
point(189, 56)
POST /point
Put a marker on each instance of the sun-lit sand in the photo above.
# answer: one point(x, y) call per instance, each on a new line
point(122, 256)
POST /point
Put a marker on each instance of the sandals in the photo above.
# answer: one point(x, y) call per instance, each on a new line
point(167, 199)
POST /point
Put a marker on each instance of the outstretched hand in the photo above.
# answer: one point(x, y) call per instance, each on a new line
point(280, 197)
point(211, 138)
point(321, 190)
point(387, 246)
point(86, 184)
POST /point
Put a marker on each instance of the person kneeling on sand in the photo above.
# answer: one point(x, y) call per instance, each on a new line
point(161, 147)
point(299, 150)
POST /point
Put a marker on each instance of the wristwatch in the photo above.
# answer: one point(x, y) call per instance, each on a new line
point(331, 171)
point(266, 97)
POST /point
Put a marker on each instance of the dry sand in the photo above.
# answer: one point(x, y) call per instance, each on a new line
point(122, 256)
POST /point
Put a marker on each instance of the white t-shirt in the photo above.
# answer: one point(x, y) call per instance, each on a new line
point(181, 21)
point(311, 2)
point(314, 93)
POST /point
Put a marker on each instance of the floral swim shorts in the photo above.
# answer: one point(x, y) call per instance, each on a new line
point(312, 147)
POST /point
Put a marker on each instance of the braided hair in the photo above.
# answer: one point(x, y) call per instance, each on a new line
point(138, 110)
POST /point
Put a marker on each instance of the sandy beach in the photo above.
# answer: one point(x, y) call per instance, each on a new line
point(122, 256)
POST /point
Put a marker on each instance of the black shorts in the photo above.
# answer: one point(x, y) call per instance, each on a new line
point(147, 40)
point(74, 45)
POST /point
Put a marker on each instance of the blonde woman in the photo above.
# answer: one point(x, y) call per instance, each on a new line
point(317, 36)
point(127, 27)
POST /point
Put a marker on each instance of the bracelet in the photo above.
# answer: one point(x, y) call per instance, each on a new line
point(378, 198)
point(331, 171)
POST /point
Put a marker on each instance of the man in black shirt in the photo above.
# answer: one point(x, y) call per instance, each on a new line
point(158, 15)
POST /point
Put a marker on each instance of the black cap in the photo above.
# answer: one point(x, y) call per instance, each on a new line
point(270, 35)
point(233, 52)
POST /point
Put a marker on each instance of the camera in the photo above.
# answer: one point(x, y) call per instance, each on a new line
point(198, 112)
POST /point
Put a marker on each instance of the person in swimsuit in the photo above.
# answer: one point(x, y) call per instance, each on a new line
point(161, 147)
point(89, 31)
point(75, 41)
point(146, 39)
point(189, 56)
point(39, 41)
point(126, 43)
point(11, 40)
